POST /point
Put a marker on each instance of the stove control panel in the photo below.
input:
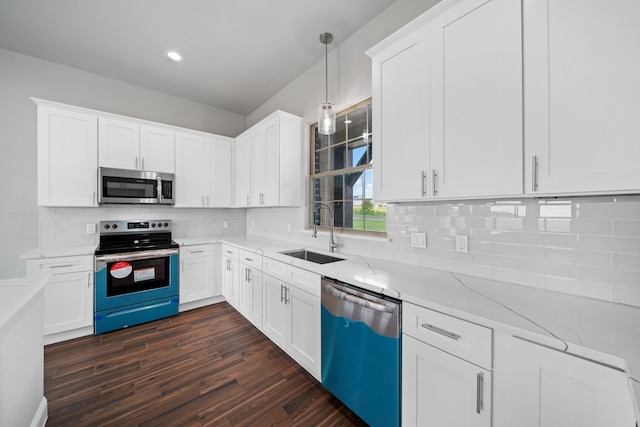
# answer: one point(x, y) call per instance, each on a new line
point(135, 226)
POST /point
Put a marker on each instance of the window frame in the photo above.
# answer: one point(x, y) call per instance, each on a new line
point(343, 171)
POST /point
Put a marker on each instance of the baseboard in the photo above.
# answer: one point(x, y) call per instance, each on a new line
point(68, 335)
point(201, 303)
point(41, 415)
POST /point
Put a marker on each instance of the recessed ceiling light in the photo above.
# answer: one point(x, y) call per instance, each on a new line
point(175, 56)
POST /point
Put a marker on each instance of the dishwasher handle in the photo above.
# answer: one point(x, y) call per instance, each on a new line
point(355, 299)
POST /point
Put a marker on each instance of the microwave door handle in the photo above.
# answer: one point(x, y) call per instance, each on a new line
point(159, 190)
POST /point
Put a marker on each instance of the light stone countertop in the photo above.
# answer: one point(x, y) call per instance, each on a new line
point(15, 294)
point(602, 331)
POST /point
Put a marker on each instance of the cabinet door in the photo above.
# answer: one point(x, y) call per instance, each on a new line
point(230, 280)
point(243, 171)
point(476, 99)
point(274, 315)
point(157, 149)
point(550, 388)
point(68, 302)
point(442, 390)
point(250, 304)
point(67, 158)
point(196, 278)
point(271, 171)
point(303, 332)
point(221, 183)
point(401, 120)
point(119, 144)
point(582, 96)
point(259, 154)
point(192, 171)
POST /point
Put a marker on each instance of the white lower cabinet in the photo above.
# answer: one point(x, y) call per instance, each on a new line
point(68, 296)
point(446, 370)
point(551, 388)
point(442, 390)
point(230, 274)
point(197, 273)
point(291, 313)
point(250, 283)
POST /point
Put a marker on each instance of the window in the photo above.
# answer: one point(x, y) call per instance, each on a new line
point(341, 174)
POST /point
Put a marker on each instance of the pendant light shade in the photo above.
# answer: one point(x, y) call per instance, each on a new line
point(326, 112)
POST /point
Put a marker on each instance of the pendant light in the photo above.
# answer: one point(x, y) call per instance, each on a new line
point(326, 112)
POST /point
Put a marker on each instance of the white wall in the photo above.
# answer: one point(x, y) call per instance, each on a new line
point(22, 77)
point(583, 246)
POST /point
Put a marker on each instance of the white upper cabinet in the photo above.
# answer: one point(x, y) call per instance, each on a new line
point(476, 99)
point(128, 145)
point(203, 171)
point(67, 157)
point(582, 96)
point(401, 97)
point(268, 162)
point(157, 148)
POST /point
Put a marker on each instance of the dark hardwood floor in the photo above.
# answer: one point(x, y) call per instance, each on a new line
point(205, 367)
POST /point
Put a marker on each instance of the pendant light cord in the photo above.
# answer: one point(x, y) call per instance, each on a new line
point(326, 73)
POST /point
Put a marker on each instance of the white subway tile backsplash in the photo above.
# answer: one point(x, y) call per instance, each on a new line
point(629, 262)
point(586, 246)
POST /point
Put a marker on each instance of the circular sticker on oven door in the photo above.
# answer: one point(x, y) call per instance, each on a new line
point(120, 270)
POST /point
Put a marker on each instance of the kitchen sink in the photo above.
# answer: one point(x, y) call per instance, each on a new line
point(310, 256)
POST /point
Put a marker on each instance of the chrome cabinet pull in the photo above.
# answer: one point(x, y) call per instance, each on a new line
point(136, 163)
point(248, 259)
point(249, 275)
point(89, 279)
point(196, 252)
point(281, 292)
point(248, 200)
point(207, 200)
point(434, 177)
point(479, 392)
point(441, 331)
point(534, 173)
point(142, 164)
point(287, 291)
point(423, 177)
point(61, 266)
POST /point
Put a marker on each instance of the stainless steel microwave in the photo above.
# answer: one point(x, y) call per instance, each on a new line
point(126, 186)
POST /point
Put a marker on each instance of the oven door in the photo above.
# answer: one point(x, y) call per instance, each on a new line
point(134, 277)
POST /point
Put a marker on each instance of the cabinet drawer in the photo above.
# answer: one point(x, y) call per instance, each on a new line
point(60, 265)
point(275, 268)
point(251, 259)
point(230, 252)
point(196, 251)
point(305, 280)
point(463, 339)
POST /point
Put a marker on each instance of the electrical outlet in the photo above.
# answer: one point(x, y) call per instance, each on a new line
point(253, 224)
point(91, 229)
point(225, 224)
point(418, 240)
point(462, 244)
point(289, 228)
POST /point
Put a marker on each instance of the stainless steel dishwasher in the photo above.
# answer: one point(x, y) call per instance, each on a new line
point(361, 340)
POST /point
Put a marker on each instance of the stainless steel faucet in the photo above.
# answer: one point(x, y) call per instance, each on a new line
point(332, 243)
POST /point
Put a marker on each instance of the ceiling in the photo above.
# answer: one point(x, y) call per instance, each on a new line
point(237, 53)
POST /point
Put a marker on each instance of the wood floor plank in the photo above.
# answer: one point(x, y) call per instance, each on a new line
point(204, 367)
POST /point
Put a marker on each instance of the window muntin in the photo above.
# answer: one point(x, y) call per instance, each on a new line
point(342, 174)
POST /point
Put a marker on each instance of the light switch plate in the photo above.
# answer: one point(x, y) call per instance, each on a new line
point(225, 224)
point(91, 229)
point(462, 244)
point(418, 240)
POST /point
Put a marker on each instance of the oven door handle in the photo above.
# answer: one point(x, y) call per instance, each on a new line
point(133, 256)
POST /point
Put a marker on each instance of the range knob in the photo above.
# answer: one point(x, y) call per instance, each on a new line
point(166, 224)
point(153, 225)
point(159, 224)
point(115, 226)
point(107, 226)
